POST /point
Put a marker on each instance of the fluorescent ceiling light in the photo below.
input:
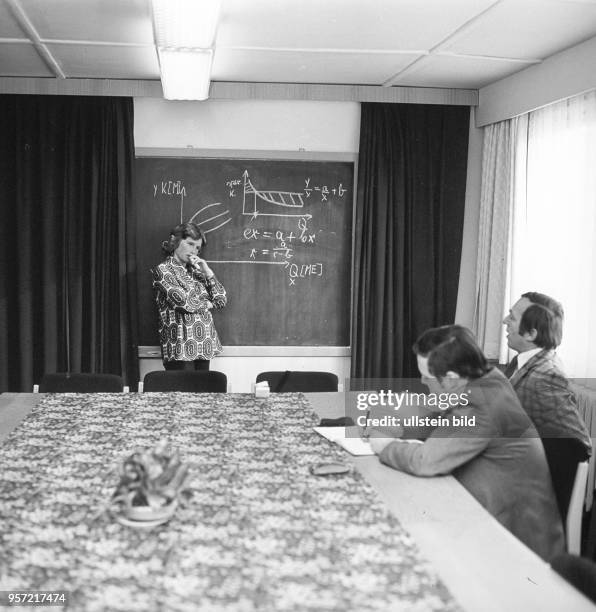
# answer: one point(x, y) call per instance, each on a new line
point(185, 74)
point(185, 34)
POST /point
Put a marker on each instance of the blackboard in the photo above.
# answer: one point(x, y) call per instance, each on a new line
point(279, 238)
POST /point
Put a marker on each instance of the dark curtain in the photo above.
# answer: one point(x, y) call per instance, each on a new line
point(67, 298)
point(408, 230)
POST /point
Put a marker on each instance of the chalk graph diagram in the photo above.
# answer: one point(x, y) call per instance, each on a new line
point(255, 203)
point(211, 223)
point(271, 203)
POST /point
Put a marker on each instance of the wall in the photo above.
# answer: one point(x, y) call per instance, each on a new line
point(263, 125)
point(276, 125)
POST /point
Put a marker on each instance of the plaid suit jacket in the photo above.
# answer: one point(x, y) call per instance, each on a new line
point(545, 394)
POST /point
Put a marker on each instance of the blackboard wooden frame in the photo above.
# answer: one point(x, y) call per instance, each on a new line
point(151, 352)
point(249, 154)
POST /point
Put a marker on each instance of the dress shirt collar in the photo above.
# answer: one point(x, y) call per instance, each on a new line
point(524, 357)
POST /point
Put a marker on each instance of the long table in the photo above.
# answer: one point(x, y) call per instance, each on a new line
point(260, 532)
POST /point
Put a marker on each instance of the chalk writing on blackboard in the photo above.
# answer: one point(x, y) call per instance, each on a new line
point(325, 191)
point(270, 203)
point(208, 220)
point(269, 245)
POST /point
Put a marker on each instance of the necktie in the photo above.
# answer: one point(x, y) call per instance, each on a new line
point(511, 367)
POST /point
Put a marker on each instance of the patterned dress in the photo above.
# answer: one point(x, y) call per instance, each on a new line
point(186, 328)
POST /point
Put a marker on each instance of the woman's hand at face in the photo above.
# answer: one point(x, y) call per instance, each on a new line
point(200, 265)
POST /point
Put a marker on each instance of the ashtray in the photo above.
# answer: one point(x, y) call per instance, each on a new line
point(327, 469)
point(150, 513)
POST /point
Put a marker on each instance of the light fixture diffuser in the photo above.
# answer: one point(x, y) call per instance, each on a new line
point(185, 35)
point(185, 75)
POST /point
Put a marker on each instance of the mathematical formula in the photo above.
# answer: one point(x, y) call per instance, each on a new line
point(256, 244)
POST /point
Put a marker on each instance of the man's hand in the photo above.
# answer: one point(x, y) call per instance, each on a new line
point(378, 442)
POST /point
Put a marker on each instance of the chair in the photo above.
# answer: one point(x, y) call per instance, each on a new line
point(290, 381)
point(578, 571)
point(188, 381)
point(66, 382)
point(563, 455)
point(575, 512)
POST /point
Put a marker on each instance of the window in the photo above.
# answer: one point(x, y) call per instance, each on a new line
point(553, 227)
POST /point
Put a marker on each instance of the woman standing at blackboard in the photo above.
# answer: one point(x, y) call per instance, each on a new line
point(186, 291)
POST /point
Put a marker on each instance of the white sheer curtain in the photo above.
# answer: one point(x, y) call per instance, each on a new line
point(553, 223)
point(503, 173)
point(493, 232)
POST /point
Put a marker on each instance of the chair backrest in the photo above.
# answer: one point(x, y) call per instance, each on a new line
point(578, 571)
point(291, 381)
point(575, 512)
point(563, 455)
point(191, 382)
point(67, 382)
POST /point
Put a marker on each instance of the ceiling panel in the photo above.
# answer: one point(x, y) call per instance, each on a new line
point(106, 62)
point(22, 59)
point(528, 29)
point(342, 24)
point(448, 71)
point(296, 67)
point(355, 42)
point(91, 20)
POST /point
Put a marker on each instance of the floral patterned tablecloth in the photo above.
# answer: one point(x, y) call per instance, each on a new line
point(259, 532)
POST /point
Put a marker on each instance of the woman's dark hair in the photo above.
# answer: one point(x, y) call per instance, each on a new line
point(545, 315)
point(180, 232)
point(451, 348)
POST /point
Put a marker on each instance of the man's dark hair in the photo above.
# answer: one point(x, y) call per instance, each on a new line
point(545, 315)
point(451, 348)
point(546, 301)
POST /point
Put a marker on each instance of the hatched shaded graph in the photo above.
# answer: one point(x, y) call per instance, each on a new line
point(272, 203)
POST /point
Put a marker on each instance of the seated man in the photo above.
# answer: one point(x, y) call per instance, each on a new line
point(534, 330)
point(499, 458)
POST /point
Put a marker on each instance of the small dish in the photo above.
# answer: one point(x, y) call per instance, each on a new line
point(150, 513)
point(140, 524)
